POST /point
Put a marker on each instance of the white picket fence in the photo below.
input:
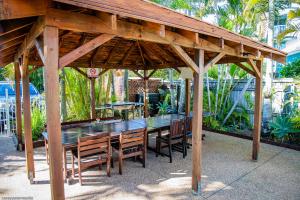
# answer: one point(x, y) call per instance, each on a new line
point(8, 114)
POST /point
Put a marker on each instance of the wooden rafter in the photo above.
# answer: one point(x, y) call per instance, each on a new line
point(154, 53)
point(110, 56)
point(10, 44)
point(185, 57)
point(29, 40)
point(141, 52)
point(166, 53)
point(16, 28)
point(11, 37)
point(213, 61)
point(127, 54)
point(93, 57)
point(253, 65)
point(84, 49)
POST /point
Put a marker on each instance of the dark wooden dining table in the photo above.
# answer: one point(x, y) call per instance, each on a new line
point(70, 133)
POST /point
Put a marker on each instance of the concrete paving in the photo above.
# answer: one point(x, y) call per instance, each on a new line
point(228, 173)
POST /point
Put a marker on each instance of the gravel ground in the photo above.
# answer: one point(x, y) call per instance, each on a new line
point(228, 173)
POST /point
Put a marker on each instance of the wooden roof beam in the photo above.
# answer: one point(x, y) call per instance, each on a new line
point(40, 49)
point(128, 30)
point(11, 9)
point(84, 49)
point(81, 72)
point(152, 73)
point(255, 68)
point(185, 57)
point(29, 40)
point(242, 66)
point(159, 29)
point(138, 74)
point(213, 61)
point(109, 19)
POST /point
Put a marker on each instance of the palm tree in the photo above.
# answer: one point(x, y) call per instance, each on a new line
point(293, 25)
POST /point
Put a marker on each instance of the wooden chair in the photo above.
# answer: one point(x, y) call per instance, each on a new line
point(188, 127)
point(132, 144)
point(92, 151)
point(176, 139)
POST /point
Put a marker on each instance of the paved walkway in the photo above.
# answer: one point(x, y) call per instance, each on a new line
point(228, 173)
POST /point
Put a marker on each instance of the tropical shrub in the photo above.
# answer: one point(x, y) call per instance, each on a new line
point(283, 128)
point(164, 107)
point(38, 121)
point(291, 70)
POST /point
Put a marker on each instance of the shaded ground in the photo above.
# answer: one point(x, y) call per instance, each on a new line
point(228, 173)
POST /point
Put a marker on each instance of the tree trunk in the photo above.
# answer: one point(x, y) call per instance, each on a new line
point(182, 96)
point(217, 92)
point(172, 89)
point(208, 93)
point(63, 95)
point(269, 64)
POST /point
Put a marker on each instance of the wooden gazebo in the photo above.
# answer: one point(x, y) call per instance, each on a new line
point(116, 34)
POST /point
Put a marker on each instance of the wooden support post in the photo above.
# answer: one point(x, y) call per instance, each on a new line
point(53, 112)
point(257, 112)
point(18, 106)
point(187, 97)
point(197, 123)
point(92, 93)
point(27, 118)
point(145, 94)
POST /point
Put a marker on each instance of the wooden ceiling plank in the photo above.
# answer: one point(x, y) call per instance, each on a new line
point(10, 44)
point(185, 57)
point(4, 40)
point(127, 54)
point(84, 49)
point(15, 28)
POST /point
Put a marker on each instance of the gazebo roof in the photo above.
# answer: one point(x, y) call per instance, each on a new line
point(143, 34)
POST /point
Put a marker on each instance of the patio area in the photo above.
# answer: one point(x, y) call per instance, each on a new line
point(228, 173)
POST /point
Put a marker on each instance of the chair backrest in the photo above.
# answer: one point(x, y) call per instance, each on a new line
point(176, 128)
point(188, 123)
point(91, 145)
point(133, 138)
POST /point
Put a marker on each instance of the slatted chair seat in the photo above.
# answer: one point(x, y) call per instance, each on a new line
point(132, 144)
point(92, 151)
